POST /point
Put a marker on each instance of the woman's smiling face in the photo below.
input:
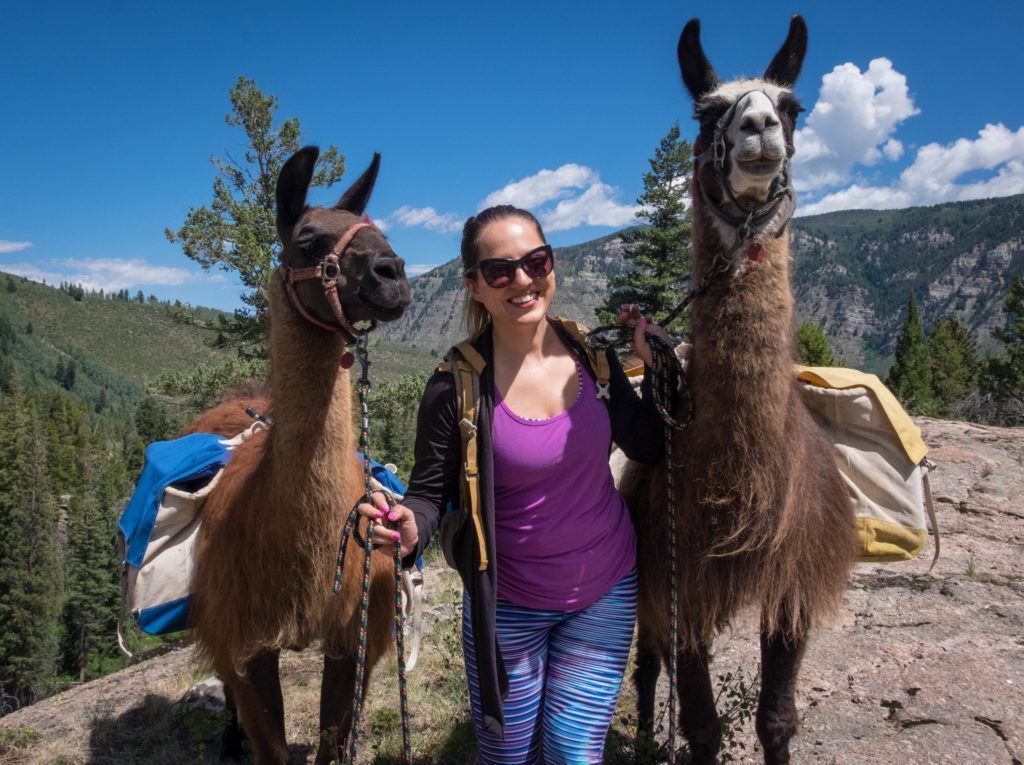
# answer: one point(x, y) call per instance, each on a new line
point(525, 301)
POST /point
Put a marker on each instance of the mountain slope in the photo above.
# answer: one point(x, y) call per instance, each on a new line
point(116, 345)
point(853, 272)
point(434, 319)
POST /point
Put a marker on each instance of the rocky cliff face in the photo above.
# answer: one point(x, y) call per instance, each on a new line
point(434, 320)
point(853, 272)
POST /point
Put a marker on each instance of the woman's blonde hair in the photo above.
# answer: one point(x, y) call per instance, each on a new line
point(477, 317)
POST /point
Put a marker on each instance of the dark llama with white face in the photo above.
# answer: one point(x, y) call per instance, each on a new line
point(269, 539)
point(762, 517)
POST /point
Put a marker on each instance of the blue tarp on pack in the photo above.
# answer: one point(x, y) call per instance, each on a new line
point(388, 479)
point(199, 455)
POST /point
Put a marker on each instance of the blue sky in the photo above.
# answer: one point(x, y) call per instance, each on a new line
point(113, 109)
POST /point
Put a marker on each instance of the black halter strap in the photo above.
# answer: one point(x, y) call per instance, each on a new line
point(747, 221)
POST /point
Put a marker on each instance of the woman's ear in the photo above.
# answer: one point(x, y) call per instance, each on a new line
point(472, 287)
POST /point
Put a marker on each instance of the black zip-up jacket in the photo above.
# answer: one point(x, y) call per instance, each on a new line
point(435, 482)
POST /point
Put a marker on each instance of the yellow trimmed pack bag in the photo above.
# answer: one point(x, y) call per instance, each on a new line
point(466, 366)
point(881, 457)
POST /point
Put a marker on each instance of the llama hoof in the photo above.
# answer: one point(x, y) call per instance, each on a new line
point(778, 756)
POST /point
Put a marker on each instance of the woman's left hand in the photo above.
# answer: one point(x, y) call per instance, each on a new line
point(643, 326)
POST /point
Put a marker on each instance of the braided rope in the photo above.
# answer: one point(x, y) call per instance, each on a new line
point(668, 373)
point(351, 525)
point(668, 381)
point(403, 684)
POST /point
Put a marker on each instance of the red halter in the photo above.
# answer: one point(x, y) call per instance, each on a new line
point(327, 271)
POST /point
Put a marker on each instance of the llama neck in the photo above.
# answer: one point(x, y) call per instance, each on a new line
point(742, 328)
point(312, 432)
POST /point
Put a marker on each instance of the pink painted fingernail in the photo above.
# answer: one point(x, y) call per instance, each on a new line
point(643, 321)
point(381, 512)
point(392, 516)
point(396, 536)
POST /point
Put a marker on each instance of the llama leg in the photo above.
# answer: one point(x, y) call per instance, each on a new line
point(335, 707)
point(776, 706)
point(231, 741)
point(698, 717)
point(645, 678)
point(261, 708)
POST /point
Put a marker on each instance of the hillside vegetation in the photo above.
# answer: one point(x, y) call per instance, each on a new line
point(116, 345)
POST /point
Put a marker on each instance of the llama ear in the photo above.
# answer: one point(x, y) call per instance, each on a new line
point(358, 195)
point(292, 185)
point(785, 67)
point(698, 75)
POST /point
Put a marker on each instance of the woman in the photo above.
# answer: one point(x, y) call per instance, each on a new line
point(547, 623)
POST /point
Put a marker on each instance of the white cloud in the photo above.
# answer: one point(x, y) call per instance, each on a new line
point(416, 269)
point(427, 217)
point(932, 177)
point(107, 273)
point(595, 206)
point(9, 246)
point(852, 123)
point(541, 187)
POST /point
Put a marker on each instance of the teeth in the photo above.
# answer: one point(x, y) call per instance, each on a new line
point(524, 298)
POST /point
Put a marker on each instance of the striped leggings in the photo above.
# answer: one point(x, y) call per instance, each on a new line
point(564, 671)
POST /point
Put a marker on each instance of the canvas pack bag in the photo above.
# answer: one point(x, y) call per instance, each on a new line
point(881, 458)
point(158, 528)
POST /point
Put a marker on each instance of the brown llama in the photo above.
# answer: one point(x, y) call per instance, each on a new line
point(762, 517)
point(270, 532)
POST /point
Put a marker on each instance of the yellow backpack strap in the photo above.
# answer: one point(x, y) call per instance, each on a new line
point(466, 366)
point(596, 356)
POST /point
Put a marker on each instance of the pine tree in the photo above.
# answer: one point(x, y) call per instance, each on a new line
point(954, 357)
point(1004, 375)
point(811, 346)
point(661, 253)
point(29, 567)
point(910, 376)
point(93, 595)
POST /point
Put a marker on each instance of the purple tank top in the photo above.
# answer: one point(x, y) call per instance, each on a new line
point(562, 532)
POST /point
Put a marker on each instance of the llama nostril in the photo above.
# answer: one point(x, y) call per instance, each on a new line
point(386, 270)
point(758, 123)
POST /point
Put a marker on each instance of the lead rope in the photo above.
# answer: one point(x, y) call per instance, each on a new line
point(359, 686)
point(668, 373)
point(668, 381)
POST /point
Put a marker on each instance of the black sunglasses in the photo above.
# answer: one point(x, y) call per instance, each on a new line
point(501, 272)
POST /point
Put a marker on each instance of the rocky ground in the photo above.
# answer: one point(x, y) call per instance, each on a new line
point(920, 666)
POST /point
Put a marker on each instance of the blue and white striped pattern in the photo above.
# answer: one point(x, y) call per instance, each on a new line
point(565, 670)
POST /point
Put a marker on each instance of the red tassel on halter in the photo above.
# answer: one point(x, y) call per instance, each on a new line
point(347, 360)
point(755, 252)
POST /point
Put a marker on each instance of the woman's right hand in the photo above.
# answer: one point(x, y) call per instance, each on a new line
point(405, 530)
